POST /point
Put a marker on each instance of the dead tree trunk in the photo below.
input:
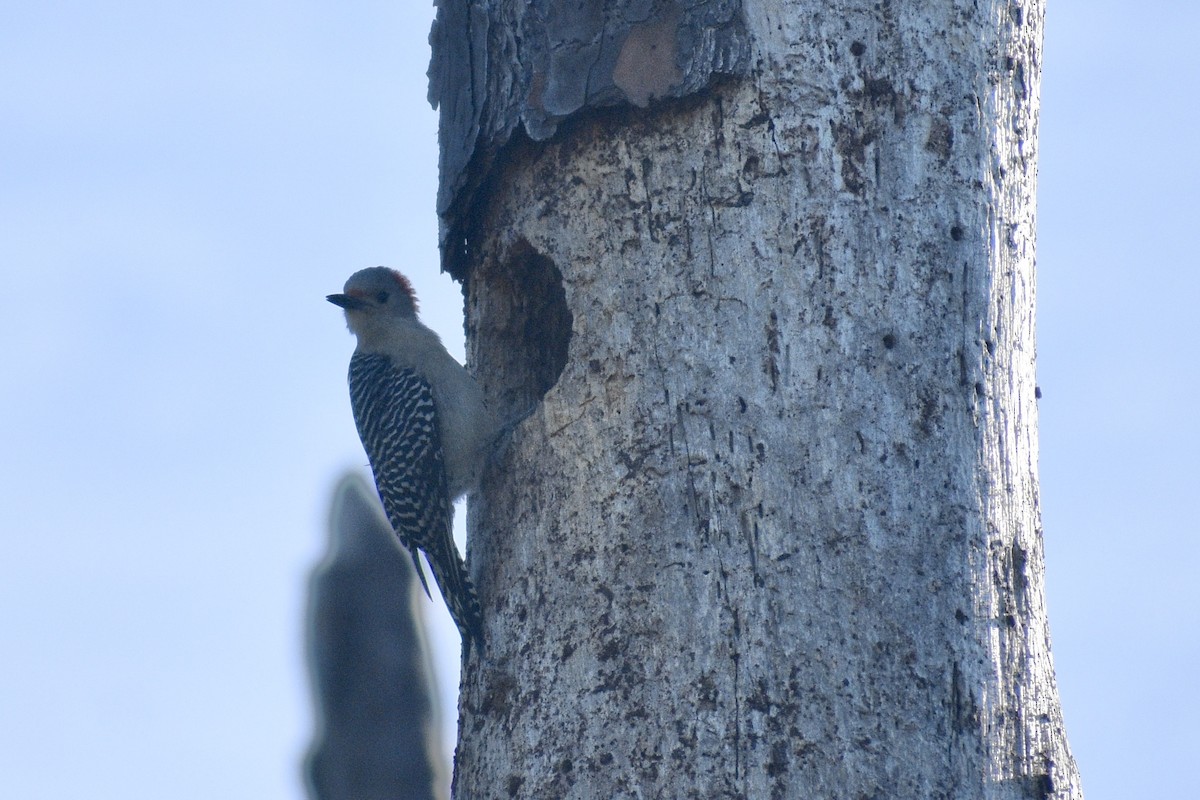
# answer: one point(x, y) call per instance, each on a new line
point(773, 530)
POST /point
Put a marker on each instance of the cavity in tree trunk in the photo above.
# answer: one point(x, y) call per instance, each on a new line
point(773, 530)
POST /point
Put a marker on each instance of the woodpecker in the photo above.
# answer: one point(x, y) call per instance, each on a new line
point(424, 424)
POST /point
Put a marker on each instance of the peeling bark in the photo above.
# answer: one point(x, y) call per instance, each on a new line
point(773, 530)
point(502, 68)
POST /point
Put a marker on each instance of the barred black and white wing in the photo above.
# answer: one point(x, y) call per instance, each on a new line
point(397, 422)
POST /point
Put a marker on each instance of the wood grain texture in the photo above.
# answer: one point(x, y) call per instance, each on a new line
point(522, 67)
point(773, 532)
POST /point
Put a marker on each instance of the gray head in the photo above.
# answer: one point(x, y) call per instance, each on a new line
point(376, 296)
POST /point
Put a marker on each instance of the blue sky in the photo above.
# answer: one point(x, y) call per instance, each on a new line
point(181, 185)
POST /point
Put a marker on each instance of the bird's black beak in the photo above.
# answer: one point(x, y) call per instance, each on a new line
point(346, 301)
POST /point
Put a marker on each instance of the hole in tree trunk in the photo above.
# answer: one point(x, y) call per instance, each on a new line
point(524, 326)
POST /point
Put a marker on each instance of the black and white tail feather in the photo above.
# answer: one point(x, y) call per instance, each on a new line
point(397, 422)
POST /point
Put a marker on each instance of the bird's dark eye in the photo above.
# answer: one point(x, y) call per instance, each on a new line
point(382, 297)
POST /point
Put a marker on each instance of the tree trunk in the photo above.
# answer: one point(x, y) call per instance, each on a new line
point(773, 531)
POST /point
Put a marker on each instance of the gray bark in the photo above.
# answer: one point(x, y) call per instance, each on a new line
point(503, 69)
point(773, 531)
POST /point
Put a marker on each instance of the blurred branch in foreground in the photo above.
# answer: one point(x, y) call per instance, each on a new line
point(373, 691)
